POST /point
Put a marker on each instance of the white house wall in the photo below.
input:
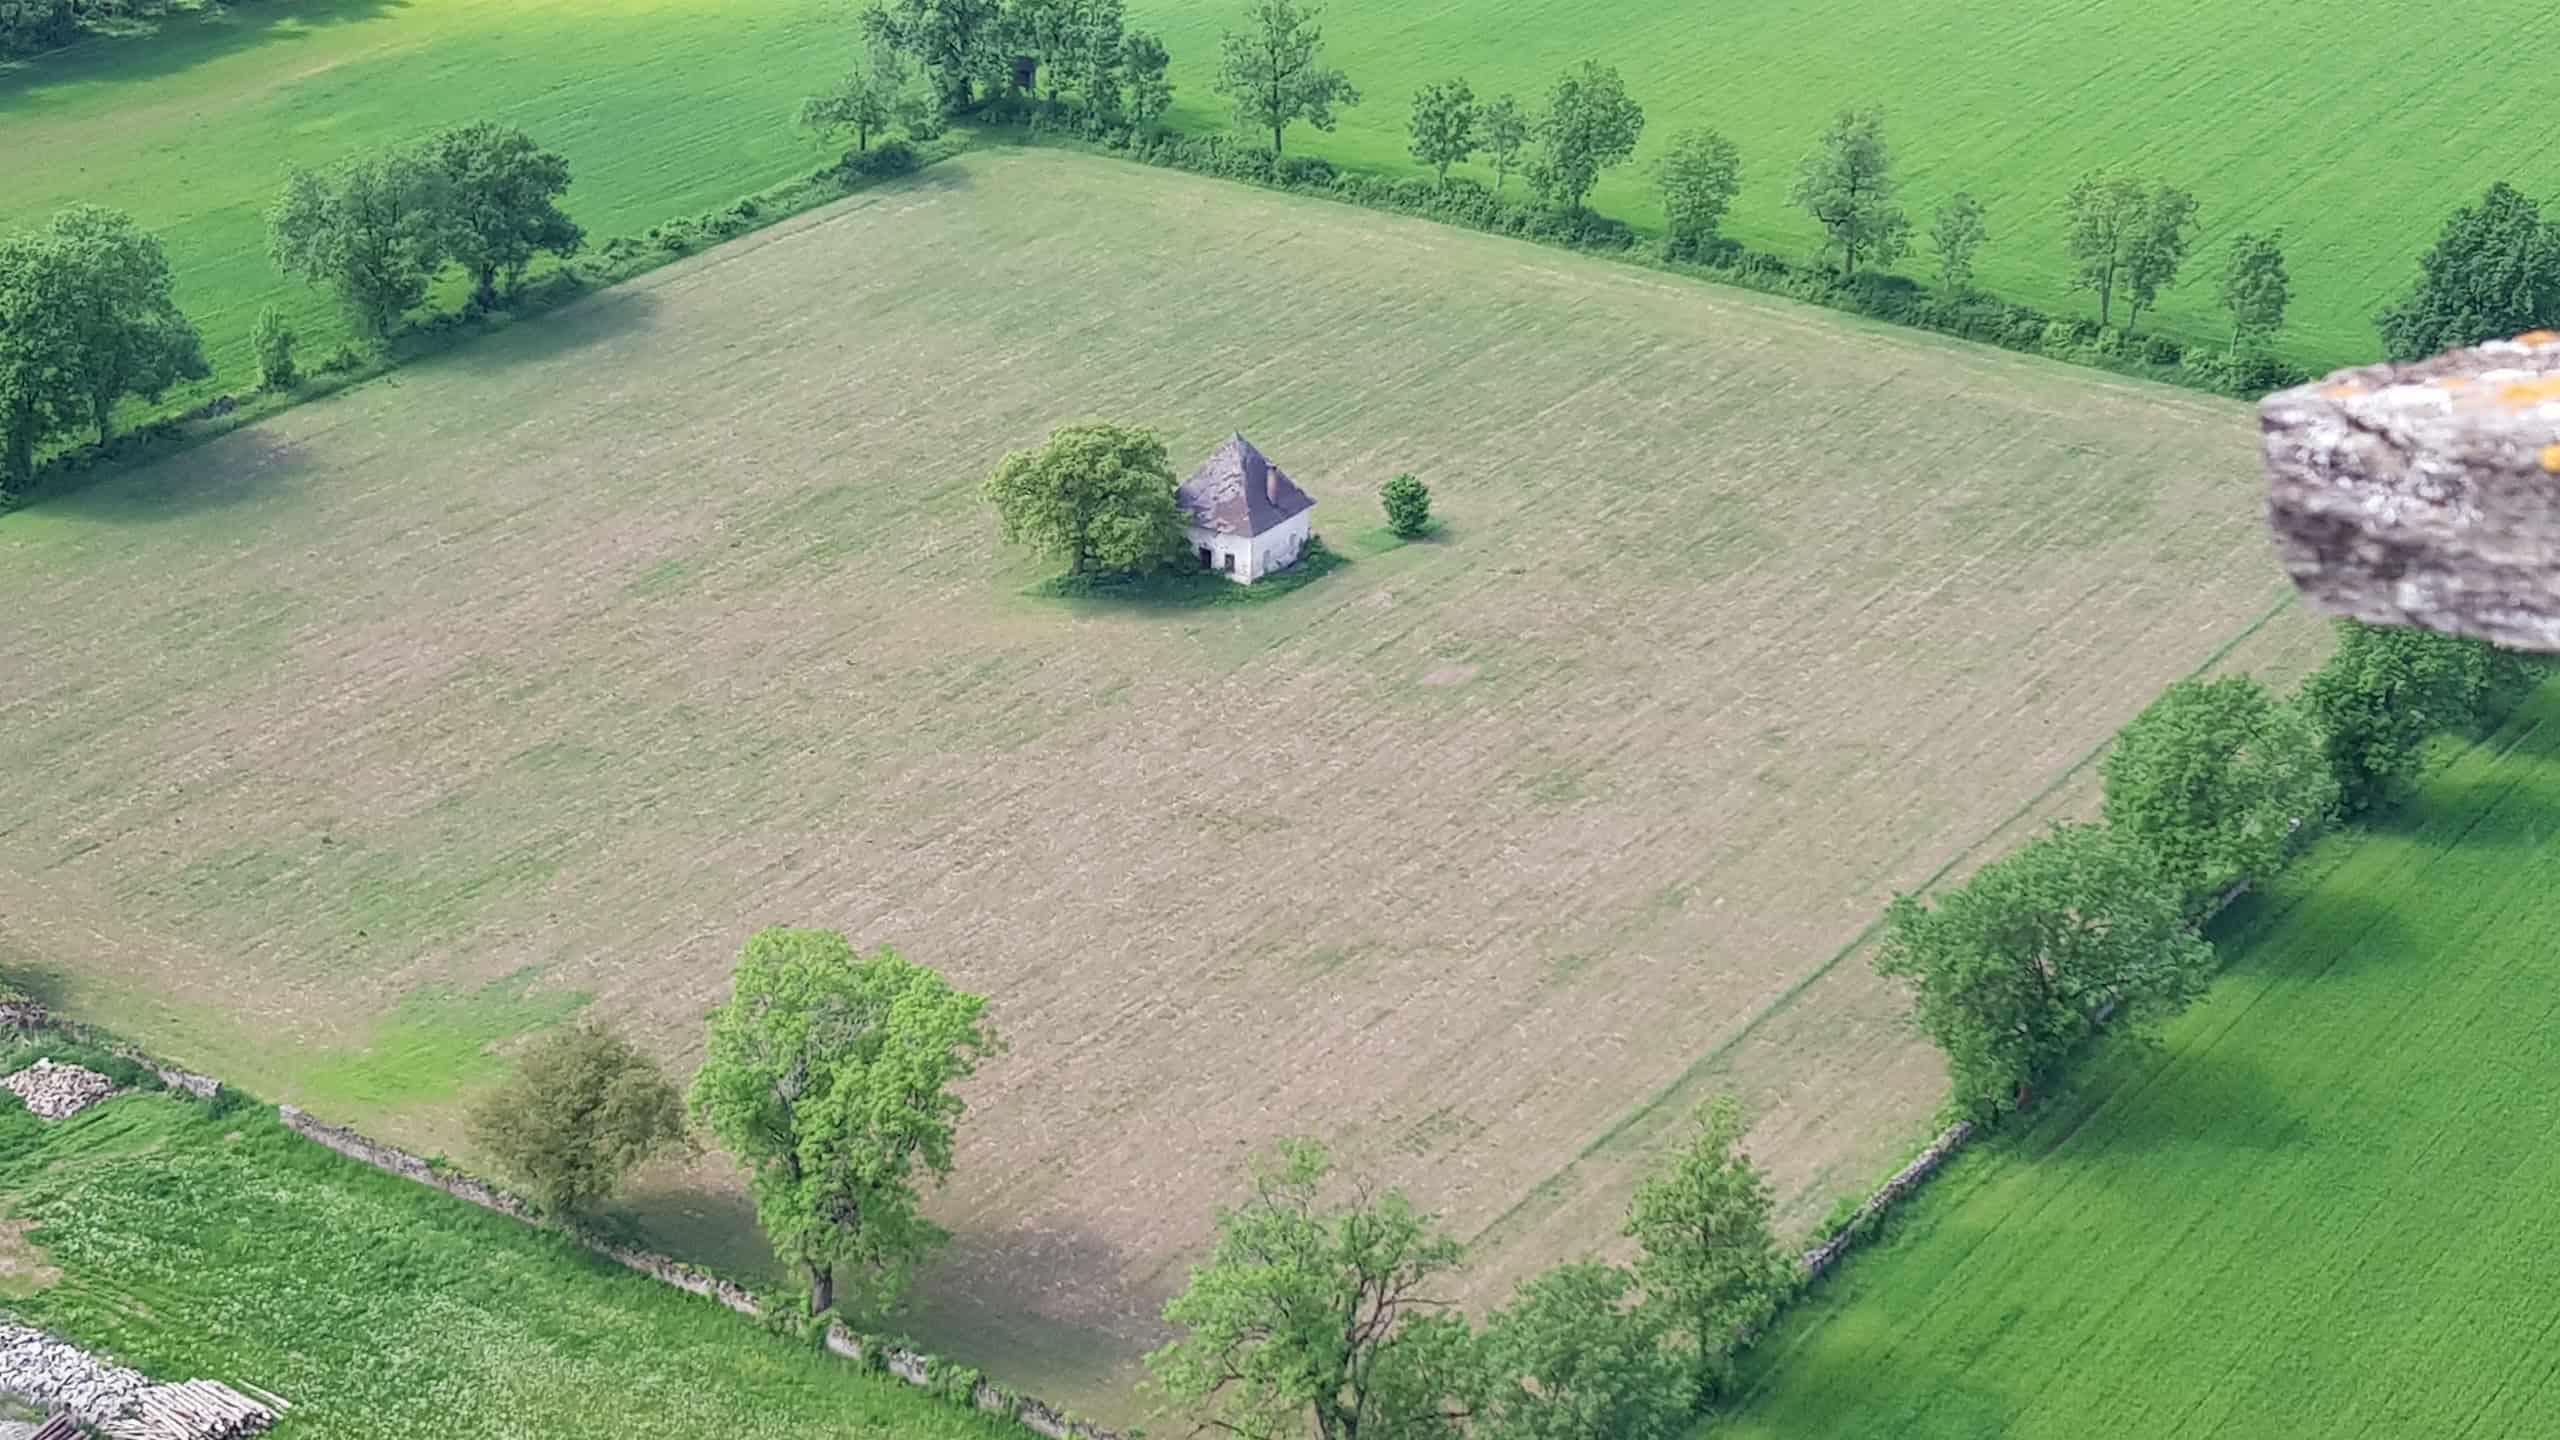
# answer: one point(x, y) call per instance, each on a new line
point(1274, 549)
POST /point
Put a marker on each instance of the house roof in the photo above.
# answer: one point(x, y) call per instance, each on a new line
point(1238, 492)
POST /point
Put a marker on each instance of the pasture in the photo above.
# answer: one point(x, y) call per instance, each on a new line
point(187, 1243)
point(2315, 1211)
point(2355, 140)
point(343, 750)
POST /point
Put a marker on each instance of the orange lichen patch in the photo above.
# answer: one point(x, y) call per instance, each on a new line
point(2529, 392)
point(2342, 392)
point(2539, 337)
point(2551, 459)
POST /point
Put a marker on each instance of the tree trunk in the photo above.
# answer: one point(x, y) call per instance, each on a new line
point(18, 461)
point(485, 289)
point(822, 1287)
point(2026, 1096)
point(2106, 294)
point(1275, 140)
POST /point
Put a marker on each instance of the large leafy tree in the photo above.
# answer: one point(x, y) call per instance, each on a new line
point(2012, 969)
point(1317, 1316)
point(504, 191)
point(128, 335)
point(1589, 126)
point(1709, 1259)
point(1846, 183)
point(2159, 249)
point(1506, 132)
point(40, 392)
point(373, 232)
point(1443, 127)
point(2106, 220)
point(1570, 1358)
point(2494, 271)
point(2213, 777)
point(1099, 495)
point(1274, 73)
point(2255, 287)
point(829, 1076)
point(27, 26)
point(2384, 690)
point(1700, 174)
point(1143, 63)
point(581, 1109)
point(959, 44)
point(864, 102)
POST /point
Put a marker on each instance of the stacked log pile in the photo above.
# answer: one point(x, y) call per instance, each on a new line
point(118, 1403)
point(55, 1092)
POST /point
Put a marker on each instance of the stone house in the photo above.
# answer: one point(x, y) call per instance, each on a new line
point(1244, 516)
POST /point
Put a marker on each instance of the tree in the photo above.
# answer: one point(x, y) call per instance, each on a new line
point(2494, 272)
point(1506, 131)
point(40, 392)
point(1589, 126)
point(1076, 45)
point(1710, 1261)
point(374, 231)
point(1143, 63)
point(2255, 288)
point(2213, 778)
point(1272, 76)
point(957, 43)
point(1570, 1358)
point(1444, 126)
point(272, 339)
point(2012, 969)
point(27, 26)
point(2159, 249)
point(1956, 234)
point(2106, 220)
point(504, 191)
point(1846, 184)
point(581, 1109)
point(1312, 1316)
point(1408, 505)
point(1700, 175)
point(828, 1075)
point(1100, 495)
point(864, 102)
point(128, 336)
point(2383, 691)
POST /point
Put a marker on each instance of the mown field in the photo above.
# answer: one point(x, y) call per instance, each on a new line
point(191, 1244)
point(2355, 140)
point(342, 750)
point(2320, 1209)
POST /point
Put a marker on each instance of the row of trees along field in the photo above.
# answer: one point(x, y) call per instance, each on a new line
point(2207, 791)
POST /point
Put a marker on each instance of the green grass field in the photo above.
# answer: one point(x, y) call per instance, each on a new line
point(2322, 1209)
point(2355, 139)
point(669, 107)
point(192, 1244)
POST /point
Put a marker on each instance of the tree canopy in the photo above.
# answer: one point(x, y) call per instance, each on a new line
point(959, 44)
point(2255, 287)
point(1274, 75)
point(2493, 272)
point(2012, 969)
point(1506, 131)
point(1570, 1358)
point(828, 1075)
point(87, 317)
point(374, 232)
point(1319, 1316)
point(1709, 1259)
point(1700, 173)
point(581, 1109)
point(2160, 240)
point(1099, 495)
point(2384, 690)
point(1957, 234)
point(505, 195)
point(1846, 183)
point(2107, 218)
point(1589, 126)
point(1443, 127)
point(1143, 63)
point(2213, 777)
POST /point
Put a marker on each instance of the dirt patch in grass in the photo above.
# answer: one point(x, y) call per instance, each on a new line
point(1229, 870)
point(23, 1270)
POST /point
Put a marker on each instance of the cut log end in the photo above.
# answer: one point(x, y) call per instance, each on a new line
point(2426, 495)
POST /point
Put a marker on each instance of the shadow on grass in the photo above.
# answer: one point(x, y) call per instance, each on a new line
point(1189, 589)
point(569, 320)
point(151, 50)
point(250, 463)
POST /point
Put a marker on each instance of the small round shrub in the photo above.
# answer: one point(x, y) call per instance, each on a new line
point(1408, 506)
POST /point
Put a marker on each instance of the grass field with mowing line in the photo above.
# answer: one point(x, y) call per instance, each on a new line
point(2317, 1211)
point(188, 1244)
point(349, 747)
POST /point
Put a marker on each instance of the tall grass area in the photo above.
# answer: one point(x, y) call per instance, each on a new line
point(2356, 139)
point(664, 108)
point(195, 1244)
point(2314, 1211)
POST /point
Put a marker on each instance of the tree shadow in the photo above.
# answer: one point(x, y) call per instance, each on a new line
point(154, 50)
point(1186, 588)
point(2510, 811)
point(2217, 1101)
point(233, 470)
point(2333, 931)
point(539, 333)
